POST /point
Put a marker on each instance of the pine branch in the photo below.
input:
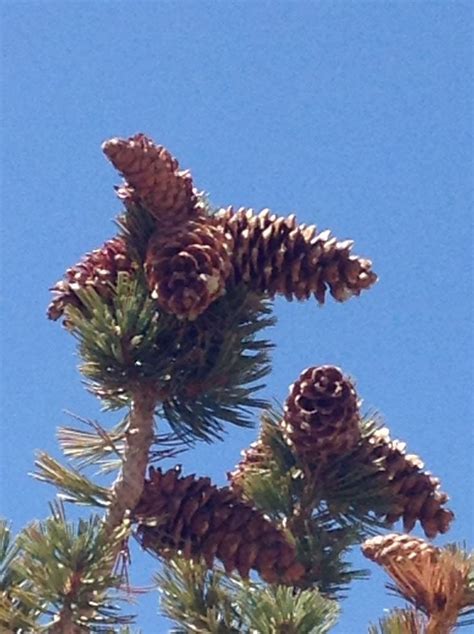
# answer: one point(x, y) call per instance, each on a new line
point(206, 371)
point(95, 447)
point(273, 478)
point(212, 602)
point(128, 487)
point(75, 486)
point(17, 611)
point(120, 499)
point(199, 600)
point(436, 581)
point(374, 482)
point(62, 572)
point(400, 622)
point(282, 610)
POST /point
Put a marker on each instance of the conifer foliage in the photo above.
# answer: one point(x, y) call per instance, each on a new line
point(169, 316)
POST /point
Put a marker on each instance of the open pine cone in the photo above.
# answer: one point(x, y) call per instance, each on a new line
point(321, 415)
point(277, 256)
point(194, 517)
point(153, 178)
point(187, 269)
point(415, 493)
point(98, 269)
point(434, 580)
point(392, 548)
point(255, 456)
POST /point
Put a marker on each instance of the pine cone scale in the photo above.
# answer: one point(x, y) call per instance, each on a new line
point(188, 270)
point(209, 522)
point(321, 417)
point(153, 179)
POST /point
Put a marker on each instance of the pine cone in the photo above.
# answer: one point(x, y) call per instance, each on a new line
point(98, 269)
point(187, 268)
point(203, 521)
point(434, 580)
point(257, 455)
point(321, 415)
point(274, 255)
point(414, 493)
point(153, 178)
point(394, 548)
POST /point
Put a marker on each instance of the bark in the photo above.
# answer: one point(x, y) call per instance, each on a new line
point(128, 486)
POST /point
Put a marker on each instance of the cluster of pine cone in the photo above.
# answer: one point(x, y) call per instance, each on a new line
point(193, 255)
point(190, 259)
point(321, 423)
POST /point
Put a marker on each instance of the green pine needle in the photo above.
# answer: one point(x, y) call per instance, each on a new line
point(208, 601)
point(75, 486)
point(69, 567)
point(104, 448)
point(406, 621)
point(198, 600)
point(282, 610)
point(17, 612)
point(207, 371)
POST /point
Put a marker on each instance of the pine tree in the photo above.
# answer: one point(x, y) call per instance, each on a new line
point(169, 316)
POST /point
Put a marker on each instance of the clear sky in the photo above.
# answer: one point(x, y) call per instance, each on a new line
point(355, 115)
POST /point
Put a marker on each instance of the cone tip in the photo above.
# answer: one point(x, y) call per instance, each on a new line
point(109, 143)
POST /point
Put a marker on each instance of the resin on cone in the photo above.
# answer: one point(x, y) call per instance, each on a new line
point(321, 415)
point(202, 521)
point(153, 178)
point(187, 269)
point(277, 256)
point(98, 269)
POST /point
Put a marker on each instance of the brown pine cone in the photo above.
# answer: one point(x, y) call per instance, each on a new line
point(256, 456)
point(153, 178)
point(434, 580)
point(321, 415)
point(98, 269)
point(414, 494)
point(276, 256)
point(187, 268)
point(394, 548)
point(201, 520)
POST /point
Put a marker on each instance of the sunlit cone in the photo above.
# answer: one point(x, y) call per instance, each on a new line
point(153, 178)
point(98, 269)
point(432, 579)
point(321, 415)
point(191, 516)
point(414, 493)
point(394, 548)
point(254, 457)
point(276, 255)
point(187, 268)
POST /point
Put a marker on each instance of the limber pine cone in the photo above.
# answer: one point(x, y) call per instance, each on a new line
point(321, 422)
point(187, 269)
point(153, 179)
point(277, 256)
point(257, 455)
point(414, 493)
point(199, 520)
point(434, 580)
point(394, 548)
point(321, 415)
point(98, 269)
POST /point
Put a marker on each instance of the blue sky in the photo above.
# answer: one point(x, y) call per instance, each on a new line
point(355, 115)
